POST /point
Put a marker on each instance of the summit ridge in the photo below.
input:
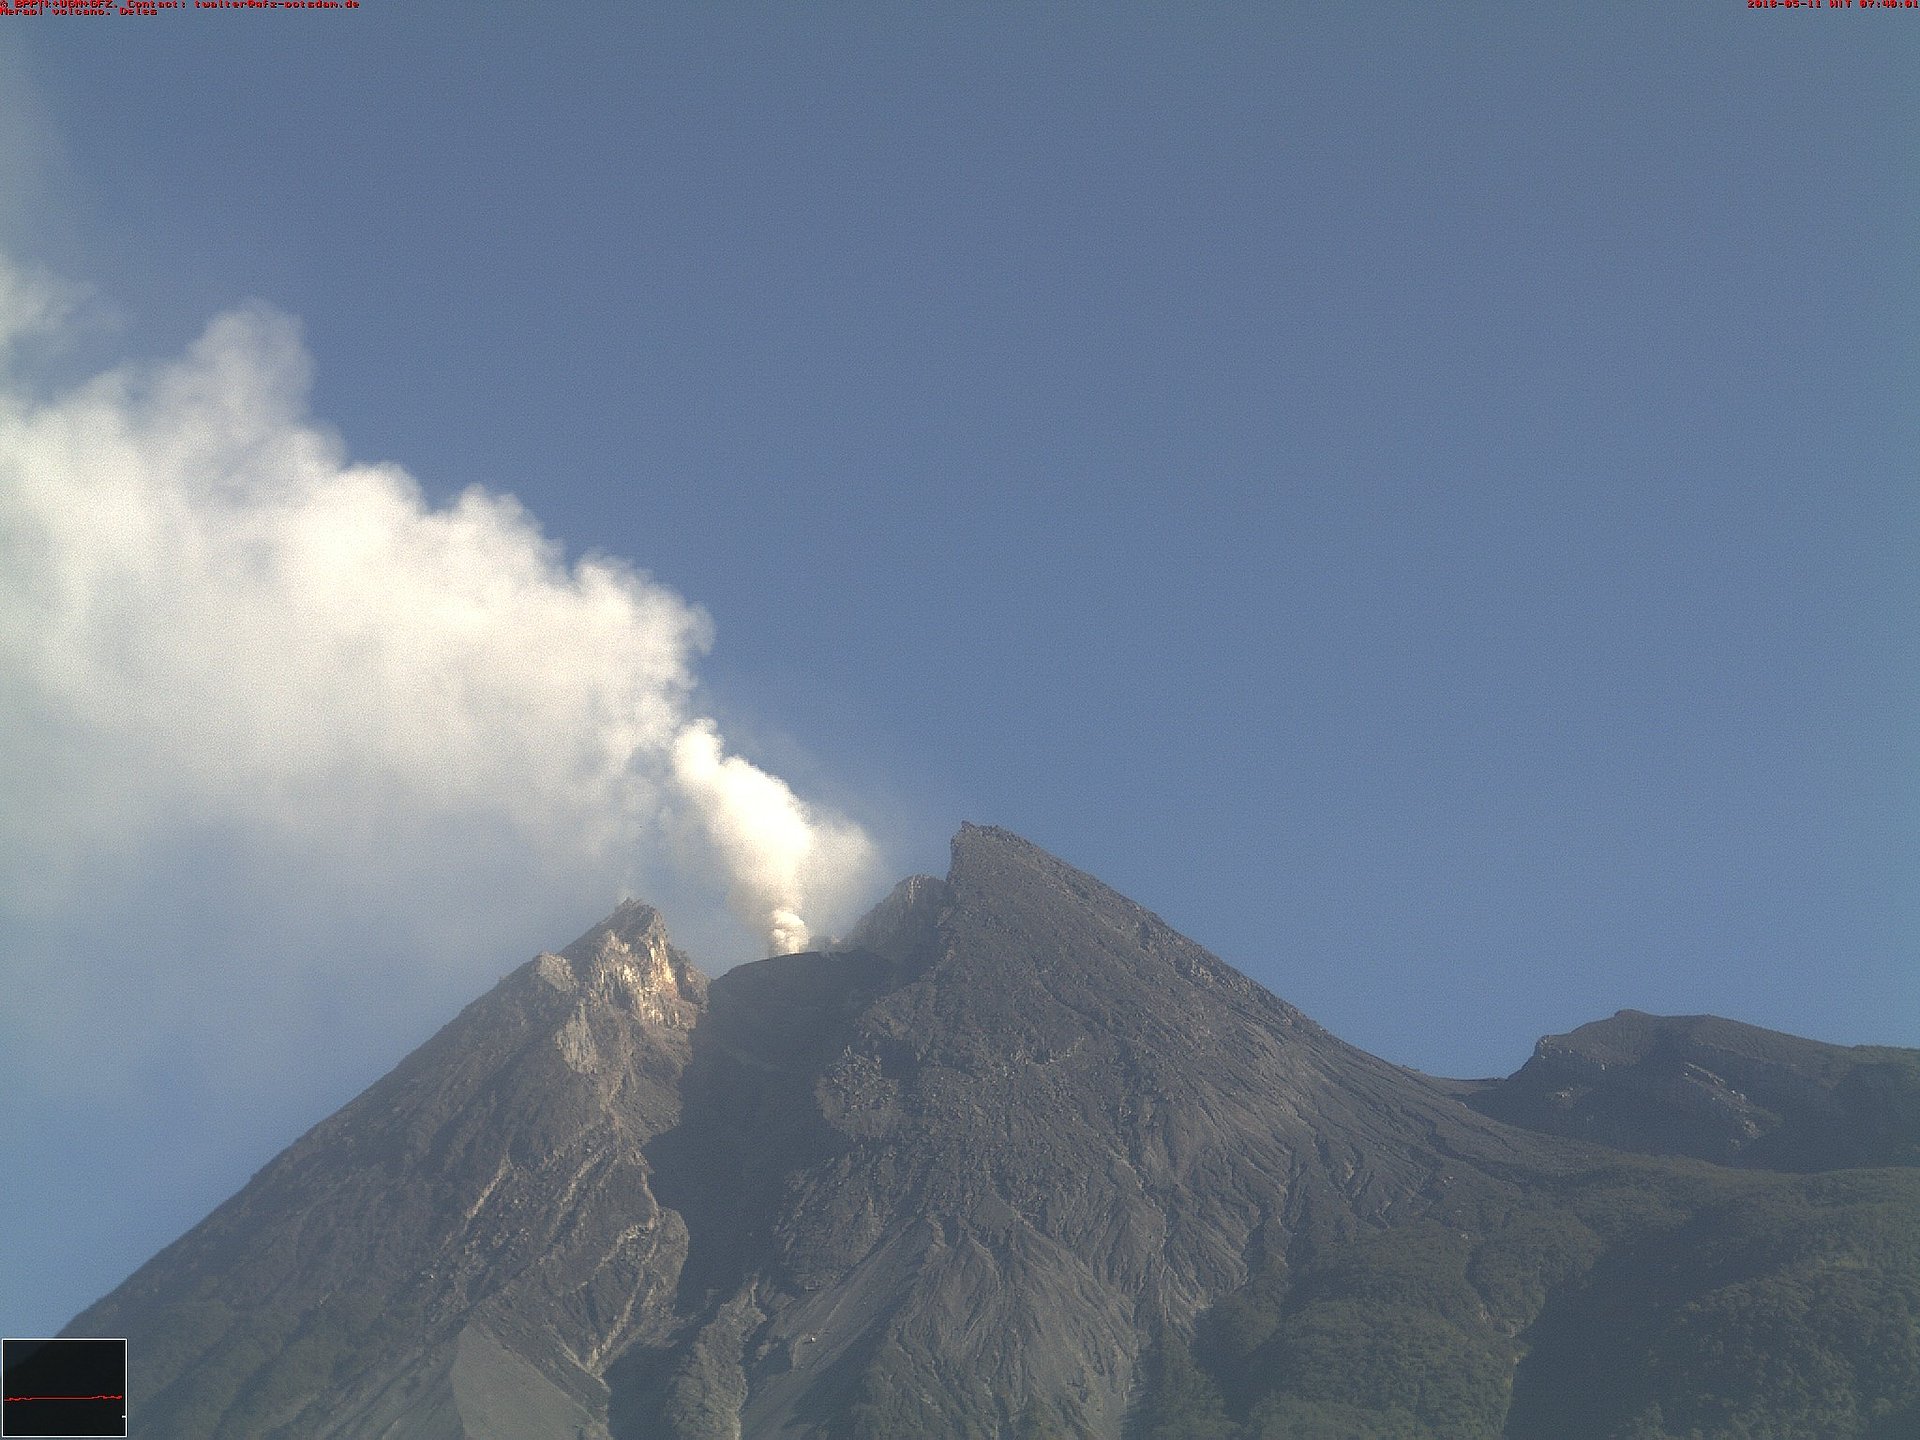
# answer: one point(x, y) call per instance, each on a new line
point(628, 957)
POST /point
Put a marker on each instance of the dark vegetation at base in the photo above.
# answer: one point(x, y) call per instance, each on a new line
point(1637, 1303)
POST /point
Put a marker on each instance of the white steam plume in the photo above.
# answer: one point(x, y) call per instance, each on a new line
point(774, 850)
point(208, 615)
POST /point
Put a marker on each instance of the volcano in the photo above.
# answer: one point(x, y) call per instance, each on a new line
point(1018, 1160)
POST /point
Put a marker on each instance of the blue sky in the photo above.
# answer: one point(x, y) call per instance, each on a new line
point(1423, 498)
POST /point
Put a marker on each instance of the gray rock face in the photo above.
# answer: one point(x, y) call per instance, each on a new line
point(979, 1165)
point(957, 1174)
point(479, 1225)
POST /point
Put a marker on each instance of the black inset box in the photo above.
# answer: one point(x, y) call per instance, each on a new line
point(64, 1387)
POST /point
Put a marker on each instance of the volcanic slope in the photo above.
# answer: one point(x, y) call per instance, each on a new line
point(1019, 1127)
point(458, 1251)
point(1018, 1160)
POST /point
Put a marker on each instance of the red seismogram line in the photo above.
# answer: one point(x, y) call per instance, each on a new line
point(12, 1398)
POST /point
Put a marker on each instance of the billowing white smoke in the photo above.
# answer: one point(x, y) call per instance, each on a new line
point(771, 846)
point(208, 614)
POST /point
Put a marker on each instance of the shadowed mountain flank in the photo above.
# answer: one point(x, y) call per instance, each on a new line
point(1015, 1160)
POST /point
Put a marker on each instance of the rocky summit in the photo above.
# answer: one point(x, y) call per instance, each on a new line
point(1018, 1160)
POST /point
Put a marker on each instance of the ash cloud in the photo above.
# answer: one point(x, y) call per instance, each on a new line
point(211, 617)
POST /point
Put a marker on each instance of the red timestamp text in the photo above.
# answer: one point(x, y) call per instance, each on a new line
point(68, 9)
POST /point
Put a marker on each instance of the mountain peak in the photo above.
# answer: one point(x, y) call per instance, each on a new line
point(629, 960)
point(990, 863)
point(978, 842)
point(1023, 901)
point(901, 927)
